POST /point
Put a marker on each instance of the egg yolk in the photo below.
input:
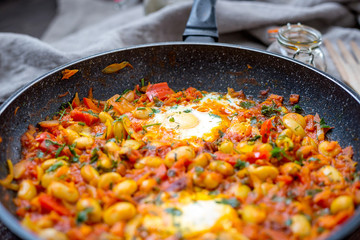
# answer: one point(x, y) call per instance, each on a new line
point(181, 121)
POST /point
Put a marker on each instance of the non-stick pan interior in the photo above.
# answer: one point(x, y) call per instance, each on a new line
point(207, 67)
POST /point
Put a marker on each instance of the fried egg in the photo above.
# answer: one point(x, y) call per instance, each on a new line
point(189, 218)
point(185, 122)
point(204, 120)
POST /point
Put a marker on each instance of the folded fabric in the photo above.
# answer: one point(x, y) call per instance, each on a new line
point(86, 27)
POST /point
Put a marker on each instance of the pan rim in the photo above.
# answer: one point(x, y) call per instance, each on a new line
point(11, 222)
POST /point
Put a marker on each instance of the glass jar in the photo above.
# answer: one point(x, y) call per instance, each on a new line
point(302, 43)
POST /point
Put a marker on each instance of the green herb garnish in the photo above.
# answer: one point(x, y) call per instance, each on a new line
point(241, 164)
point(54, 166)
point(82, 216)
point(59, 150)
point(323, 124)
point(155, 110)
point(313, 159)
point(313, 192)
point(254, 138)
point(199, 170)
point(270, 111)
point(297, 109)
point(173, 211)
point(288, 222)
point(214, 115)
point(150, 125)
point(277, 152)
point(230, 201)
point(91, 113)
point(142, 82)
point(247, 105)
point(253, 120)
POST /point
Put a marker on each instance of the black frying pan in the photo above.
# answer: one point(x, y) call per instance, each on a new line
point(211, 67)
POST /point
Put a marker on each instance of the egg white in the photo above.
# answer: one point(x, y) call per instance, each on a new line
point(185, 122)
point(193, 121)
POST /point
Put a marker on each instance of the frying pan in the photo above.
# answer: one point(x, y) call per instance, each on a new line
point(207, 66)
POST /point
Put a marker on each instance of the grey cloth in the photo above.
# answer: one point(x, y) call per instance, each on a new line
point(85, 27)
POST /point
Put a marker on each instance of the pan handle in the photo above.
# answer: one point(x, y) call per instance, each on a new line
point(201, 25)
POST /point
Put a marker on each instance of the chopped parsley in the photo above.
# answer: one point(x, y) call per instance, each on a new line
point(187, 110)
point(150, 125)
point(155, 110)
point(173, 211)
point(40, 154)
point(297, 109)
point(270, 111)
point(199, 170)
point(313, 192)
point(158, 103)
point(107, 107)
point(171, 119)
point(247, 105)
point(49, 142)
point(214, 115)
point(230, 201)
point(94, 156)
point(54, 166)
point(277, 152)
point(241, 164)
point(253, 120)
point(253, 139)
point(59, 150)
point(91, 113)
point(288, 222)
point(323, 124)
point(313, 159)
point(83, 215)
point(81, 123)
point(75, 157)
point(142, 82)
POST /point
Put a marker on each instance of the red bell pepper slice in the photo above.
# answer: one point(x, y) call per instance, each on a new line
point(49, 203)
point(76, 101)
point(159, 90)
point(84, 116)
point(265, 129)
point(90, 104)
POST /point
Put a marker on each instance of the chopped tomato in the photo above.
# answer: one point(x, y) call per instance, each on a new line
point(284, 178)
point(45, 140)
point(90, 104)
point(49, 203)
point(159, 90)
point(84, 116)
point(226, 157)
point(294, 98)
point(251, 157)
point(265, 129)
point(161, 172)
